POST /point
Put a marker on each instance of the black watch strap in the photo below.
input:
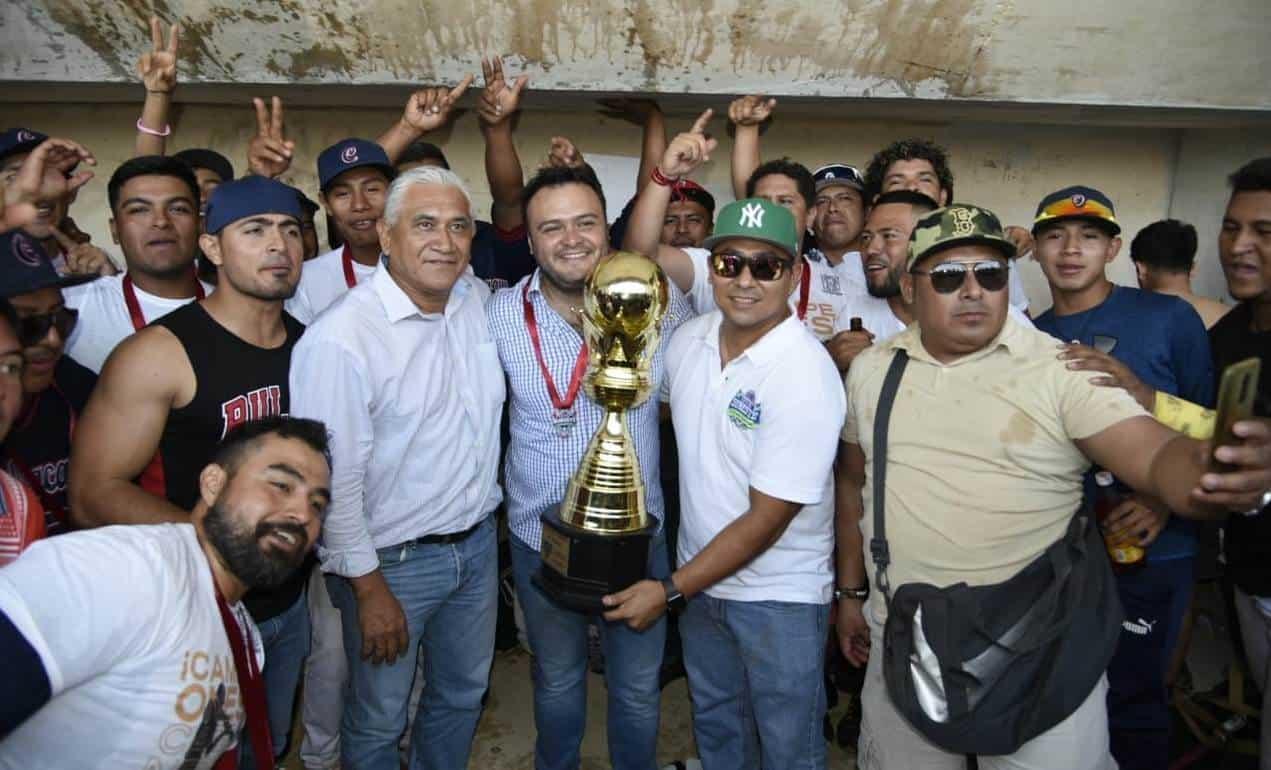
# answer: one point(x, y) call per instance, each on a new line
point(674, 599)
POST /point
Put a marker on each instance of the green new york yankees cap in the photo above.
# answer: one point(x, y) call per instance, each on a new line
point(956, 225)
point(759, 220)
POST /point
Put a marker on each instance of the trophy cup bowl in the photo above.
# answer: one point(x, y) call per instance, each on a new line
point(596, 542)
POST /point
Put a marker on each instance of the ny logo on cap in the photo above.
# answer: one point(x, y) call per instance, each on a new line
point(25, 136)
point(751, 215)
point(350, 154)
point(1078, 200)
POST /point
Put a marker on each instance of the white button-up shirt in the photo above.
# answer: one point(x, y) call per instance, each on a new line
point(540, 461)
point(768, 420)
point(413, 404)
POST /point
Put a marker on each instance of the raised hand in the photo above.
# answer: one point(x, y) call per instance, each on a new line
point(428, 109)
point(158, 67)
point(637, 111)
point(499, 100)
point(689, 150)
point(83, 258)
point(47, 173)
point(562, 153)
point(269, 153)
point(751, 110)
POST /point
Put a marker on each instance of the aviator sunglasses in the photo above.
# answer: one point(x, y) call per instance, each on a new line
point(34, 328)
point(763, 268)
point(948, 277)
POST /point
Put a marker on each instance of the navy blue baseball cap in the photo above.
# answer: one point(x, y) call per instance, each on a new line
point(348, 154)
point(248, 197)
point(200, 157)
point(24, 267)
point(838, 173)
point(17, 140)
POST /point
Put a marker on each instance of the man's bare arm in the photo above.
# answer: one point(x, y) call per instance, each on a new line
point(158, 71)
point(498, 103)
point(1156, 461)
point(747, 115)
point(849, 507)
point(685, 154)
point(120, 429)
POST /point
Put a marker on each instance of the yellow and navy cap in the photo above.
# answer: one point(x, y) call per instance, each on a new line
point(1077, 203)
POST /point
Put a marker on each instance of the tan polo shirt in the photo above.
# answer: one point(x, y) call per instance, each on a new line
point(982, 471)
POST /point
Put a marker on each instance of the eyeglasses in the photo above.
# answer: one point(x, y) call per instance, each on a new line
point(34, 328)
point(762, 268)
point(948, 277)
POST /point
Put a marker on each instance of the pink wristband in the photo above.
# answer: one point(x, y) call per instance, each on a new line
point(167, 130)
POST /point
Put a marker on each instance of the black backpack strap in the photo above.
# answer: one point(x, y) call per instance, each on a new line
point(878, 543)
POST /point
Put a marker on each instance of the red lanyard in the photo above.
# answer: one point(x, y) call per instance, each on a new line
point(134, 307)
point(251, 690)
point(29, 476)
point(580, 366)
point(350, 277)
point(805, 288)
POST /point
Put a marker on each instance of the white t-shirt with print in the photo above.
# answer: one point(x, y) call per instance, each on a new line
point(322, 282)
point(768, 420)
point(126, 624)
point(827, 295)
point(104, 321)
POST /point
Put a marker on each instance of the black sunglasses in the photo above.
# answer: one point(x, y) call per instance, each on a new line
point(33, 328)
point(763, 268)
point(948, 277)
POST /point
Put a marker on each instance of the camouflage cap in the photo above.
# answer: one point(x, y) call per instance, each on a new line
point(956, 225)
point(756, 219)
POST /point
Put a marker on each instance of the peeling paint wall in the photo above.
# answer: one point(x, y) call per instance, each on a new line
point(1136, 52)
point(1149, 173)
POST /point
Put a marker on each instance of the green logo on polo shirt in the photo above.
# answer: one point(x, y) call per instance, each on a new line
point(744, 411)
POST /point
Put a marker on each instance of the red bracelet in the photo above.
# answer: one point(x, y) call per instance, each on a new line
point(661, 179)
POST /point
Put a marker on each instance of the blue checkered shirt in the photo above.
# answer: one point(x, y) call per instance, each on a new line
point(540, 462)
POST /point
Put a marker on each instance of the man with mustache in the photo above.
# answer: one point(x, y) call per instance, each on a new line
point(171, 391)
point(130, 646)
point(55, 387)
point(405, 372)
point(989, 440)
point(154, 202)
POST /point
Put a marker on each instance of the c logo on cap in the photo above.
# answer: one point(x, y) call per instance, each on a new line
point(25, 136)
point(1078, 200)
point(25, 252)
point(349, 155)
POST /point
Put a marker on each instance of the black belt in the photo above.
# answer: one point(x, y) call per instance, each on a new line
point(447, 538)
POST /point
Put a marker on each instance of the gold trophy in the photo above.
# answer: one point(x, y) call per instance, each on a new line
point(597, 541)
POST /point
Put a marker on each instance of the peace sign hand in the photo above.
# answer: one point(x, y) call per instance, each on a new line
point(269, 153)
point(430, 108)
point(499, 100)
point(158, 67)
point(689, 150)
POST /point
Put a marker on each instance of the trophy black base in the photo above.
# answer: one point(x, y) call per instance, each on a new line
point(581, 567)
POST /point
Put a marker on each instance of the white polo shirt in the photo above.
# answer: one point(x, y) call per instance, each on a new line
point(827, 297)
point(104, 321)
point(322, 282)
point(769, 420)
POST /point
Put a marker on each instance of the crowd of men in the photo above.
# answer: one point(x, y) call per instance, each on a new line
point(239, 463)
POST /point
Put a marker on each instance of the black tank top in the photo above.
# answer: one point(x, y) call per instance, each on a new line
point(235, 382)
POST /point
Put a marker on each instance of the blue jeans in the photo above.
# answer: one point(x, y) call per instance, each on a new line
point(756, 677)
point(286, 640)
point(558, 638)
point(448, 593)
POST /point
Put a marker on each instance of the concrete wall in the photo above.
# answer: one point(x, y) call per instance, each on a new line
point(1128, 52)
point(1150, 173)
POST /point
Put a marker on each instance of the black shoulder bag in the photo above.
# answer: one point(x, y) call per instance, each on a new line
point(984, 669)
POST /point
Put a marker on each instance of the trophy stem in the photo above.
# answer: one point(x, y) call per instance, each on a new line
point(606, 494)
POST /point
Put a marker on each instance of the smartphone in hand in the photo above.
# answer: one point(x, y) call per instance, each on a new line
point(1236, 394)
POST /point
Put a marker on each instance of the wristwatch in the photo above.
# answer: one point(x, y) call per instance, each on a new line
point(675, 600)
point(860, 594)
